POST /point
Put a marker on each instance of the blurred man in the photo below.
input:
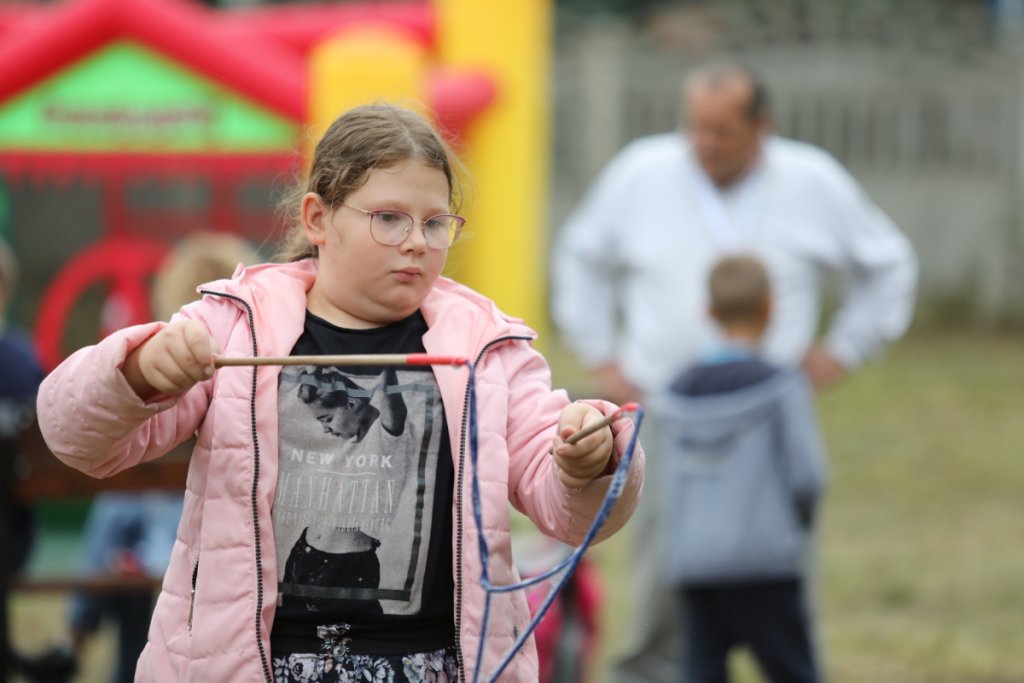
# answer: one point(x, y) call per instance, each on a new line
point(630, 265)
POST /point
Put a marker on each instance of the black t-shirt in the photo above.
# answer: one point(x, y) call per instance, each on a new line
point(362, 515)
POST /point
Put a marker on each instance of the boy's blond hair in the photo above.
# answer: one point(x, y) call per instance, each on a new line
point(739, 288)
point(197, 259)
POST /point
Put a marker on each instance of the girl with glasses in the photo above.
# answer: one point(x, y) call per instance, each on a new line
point(328, 531)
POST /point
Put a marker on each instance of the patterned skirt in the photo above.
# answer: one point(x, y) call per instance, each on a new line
point(336, 664)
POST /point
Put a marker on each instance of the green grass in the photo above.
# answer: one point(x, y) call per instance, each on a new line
point(922, 576)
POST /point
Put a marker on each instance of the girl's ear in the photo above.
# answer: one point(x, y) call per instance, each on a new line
point(314, 218)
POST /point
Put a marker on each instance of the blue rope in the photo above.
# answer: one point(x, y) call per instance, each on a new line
point(568, 566)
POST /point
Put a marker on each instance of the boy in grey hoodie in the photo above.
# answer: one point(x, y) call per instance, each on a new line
point(745, 473)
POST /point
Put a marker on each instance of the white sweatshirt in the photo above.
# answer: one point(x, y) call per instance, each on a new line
point(630, 266)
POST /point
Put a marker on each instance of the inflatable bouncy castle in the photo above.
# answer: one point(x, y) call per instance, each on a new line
point(125, 124)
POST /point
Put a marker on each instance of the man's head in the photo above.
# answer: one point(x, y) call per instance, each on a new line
point(726, 116)
point(740, 295)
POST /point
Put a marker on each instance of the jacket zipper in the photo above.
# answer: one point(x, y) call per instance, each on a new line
point(255, 511)
point(192, 595)
point(253, 499)
point(458, 503)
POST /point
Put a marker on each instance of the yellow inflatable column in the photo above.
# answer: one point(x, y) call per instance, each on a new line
point(507, 150)
point(362, 65)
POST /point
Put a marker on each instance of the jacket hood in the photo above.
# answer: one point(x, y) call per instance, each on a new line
point(709, 420)
point(275, 297)
point(264, 277)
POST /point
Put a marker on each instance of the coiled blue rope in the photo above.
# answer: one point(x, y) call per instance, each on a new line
point(567, 566)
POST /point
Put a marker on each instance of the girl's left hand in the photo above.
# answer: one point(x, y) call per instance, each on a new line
point(581, 462)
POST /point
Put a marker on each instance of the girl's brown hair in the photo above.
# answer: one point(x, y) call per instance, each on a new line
point(361, 140)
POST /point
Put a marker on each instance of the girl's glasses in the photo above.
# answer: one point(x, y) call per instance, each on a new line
point(390, 227)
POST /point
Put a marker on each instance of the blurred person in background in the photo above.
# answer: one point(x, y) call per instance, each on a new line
point(131, 533)
point(744, 466)
point(20, 375)
point(629, 269)
point(568, 637)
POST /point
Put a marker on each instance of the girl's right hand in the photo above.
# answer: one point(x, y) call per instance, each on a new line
point(172, 361)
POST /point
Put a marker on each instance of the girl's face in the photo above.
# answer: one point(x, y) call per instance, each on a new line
point(361, 283)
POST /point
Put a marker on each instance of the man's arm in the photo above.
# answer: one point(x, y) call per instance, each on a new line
point(879, 278)
point(822, 367)
point(585, 268)
point(613, 385)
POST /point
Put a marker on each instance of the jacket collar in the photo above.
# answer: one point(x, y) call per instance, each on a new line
point(277, 293)
point(463, 322)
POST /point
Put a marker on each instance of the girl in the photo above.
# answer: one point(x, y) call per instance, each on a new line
point(305, 556)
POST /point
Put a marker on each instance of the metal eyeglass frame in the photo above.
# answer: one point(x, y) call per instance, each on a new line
point(460, 222)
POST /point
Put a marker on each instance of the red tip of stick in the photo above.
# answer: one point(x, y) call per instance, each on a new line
point(630, 407)
point(427, 359)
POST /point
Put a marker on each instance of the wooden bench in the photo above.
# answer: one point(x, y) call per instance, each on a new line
point(38, 476)
point(31, 474)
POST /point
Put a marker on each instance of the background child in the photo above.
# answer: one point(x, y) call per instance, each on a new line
point(746, 471)
point(375, 536)
point(20, 375)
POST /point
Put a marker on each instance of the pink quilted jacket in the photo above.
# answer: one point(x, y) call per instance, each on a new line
point(212, 620)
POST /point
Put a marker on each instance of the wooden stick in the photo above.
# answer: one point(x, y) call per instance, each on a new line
point(601, 424)
point(396, 359)
point(352, 359)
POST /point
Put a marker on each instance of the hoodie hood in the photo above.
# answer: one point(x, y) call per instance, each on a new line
point(739, 466)
point(712, 421)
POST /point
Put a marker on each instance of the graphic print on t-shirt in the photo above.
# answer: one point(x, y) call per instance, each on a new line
point(353, 509)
